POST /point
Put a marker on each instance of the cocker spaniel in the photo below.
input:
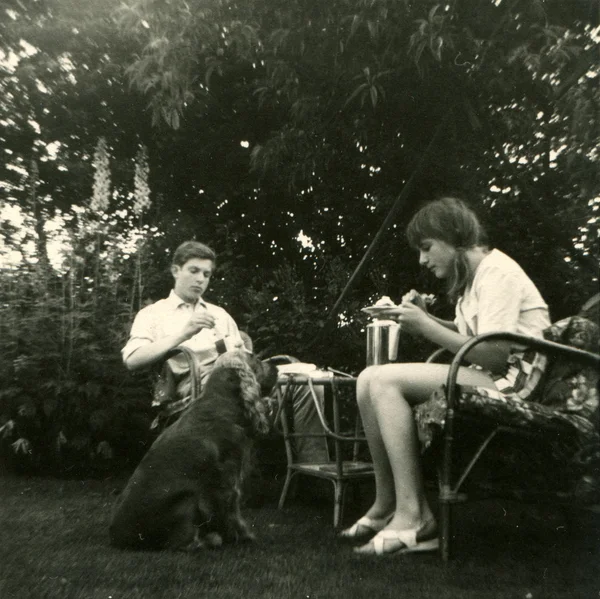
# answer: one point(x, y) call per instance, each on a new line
point(185, 493)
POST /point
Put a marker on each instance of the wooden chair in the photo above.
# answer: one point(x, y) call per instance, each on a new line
point(169, 406)
point(536, 421)
point(338, 470)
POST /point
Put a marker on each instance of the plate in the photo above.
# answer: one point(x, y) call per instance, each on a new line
point(296, 368)
point(375, 310)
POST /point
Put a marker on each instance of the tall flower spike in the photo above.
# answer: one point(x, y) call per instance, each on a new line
point(100, 199)
point(141, 188)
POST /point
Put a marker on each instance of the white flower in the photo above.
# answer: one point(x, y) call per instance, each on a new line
point(22, 445)
point(7, 428)
point(101, 195)
point(141, 188)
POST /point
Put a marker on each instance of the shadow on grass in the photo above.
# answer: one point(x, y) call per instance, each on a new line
point(55, 545)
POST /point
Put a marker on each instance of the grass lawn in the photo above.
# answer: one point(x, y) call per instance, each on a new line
point(55, 545)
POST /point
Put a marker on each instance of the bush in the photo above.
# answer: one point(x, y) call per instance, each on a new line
point(67, 403)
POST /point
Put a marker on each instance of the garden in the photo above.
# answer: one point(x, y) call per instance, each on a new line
point(297, 139)
point(55, 546)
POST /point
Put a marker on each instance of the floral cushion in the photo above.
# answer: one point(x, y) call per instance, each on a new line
point(568, 387)
point(492, 405)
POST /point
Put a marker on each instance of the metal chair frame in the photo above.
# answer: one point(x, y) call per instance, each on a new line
point(449, 493)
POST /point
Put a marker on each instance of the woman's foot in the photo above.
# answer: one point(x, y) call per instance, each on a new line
point(365, 528)
point(391, 542)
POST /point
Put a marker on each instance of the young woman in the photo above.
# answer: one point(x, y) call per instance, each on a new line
point(492, 293)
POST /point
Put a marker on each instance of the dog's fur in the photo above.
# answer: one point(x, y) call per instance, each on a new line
point(185, 493)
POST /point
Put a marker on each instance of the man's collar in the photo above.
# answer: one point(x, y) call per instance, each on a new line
point(177, 301)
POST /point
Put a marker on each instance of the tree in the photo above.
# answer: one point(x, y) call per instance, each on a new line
point(66, 403)
point(281, 133)
point(344, 98)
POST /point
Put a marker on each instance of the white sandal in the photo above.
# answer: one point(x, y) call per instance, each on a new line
point(365, 527)
point(407, 539)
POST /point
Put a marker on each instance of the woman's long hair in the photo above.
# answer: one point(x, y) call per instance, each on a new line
point(452, 221)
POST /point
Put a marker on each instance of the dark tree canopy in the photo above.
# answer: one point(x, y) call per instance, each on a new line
point(338, 102)
point(265, 120)
point(283, 133)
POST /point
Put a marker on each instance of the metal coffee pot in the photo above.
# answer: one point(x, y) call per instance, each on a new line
point(382, 342)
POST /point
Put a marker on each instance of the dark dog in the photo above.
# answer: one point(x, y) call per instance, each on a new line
point(185, 493)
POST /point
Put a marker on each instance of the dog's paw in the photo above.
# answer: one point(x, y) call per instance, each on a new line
point(247, 537)
point(213, 539)
point(243, 533)
point(208, 541)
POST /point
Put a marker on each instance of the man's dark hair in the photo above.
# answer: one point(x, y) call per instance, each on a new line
point(193, 249)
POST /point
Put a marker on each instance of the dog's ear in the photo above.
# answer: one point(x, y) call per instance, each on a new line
point(251, 375)
point(251, 395)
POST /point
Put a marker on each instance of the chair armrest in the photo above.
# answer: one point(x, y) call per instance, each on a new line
point(437, 354)
point(193, 365)
point(542, 345)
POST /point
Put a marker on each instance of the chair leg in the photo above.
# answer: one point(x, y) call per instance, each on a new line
point(445, 529)
point(286, 487)
point(338, 501)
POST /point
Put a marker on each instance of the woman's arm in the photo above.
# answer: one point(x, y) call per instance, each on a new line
point(448, 324)
point(419, 300)
point(489, 355)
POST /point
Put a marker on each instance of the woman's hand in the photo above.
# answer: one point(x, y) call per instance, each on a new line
point(412, 317)
point(414, 297)
point(388, 313)
point(409, 315)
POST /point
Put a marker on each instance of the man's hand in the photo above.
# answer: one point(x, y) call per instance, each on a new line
point(198, 321)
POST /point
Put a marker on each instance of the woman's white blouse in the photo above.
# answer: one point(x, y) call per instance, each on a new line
point(501, 298)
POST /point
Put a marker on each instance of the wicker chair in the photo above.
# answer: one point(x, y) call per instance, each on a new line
point(339, 470)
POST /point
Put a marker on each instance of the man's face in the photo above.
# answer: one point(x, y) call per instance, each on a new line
point(192, 279)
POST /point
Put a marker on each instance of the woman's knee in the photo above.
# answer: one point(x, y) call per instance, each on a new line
point(388, 376)
point(363, 384)
point(392, 383)
point(367, 373)
point(378, 383)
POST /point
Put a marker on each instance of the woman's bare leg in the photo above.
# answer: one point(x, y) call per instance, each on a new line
point(385, 396)
point(385, 496)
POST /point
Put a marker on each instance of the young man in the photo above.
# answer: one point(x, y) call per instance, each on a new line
point(185, 318)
